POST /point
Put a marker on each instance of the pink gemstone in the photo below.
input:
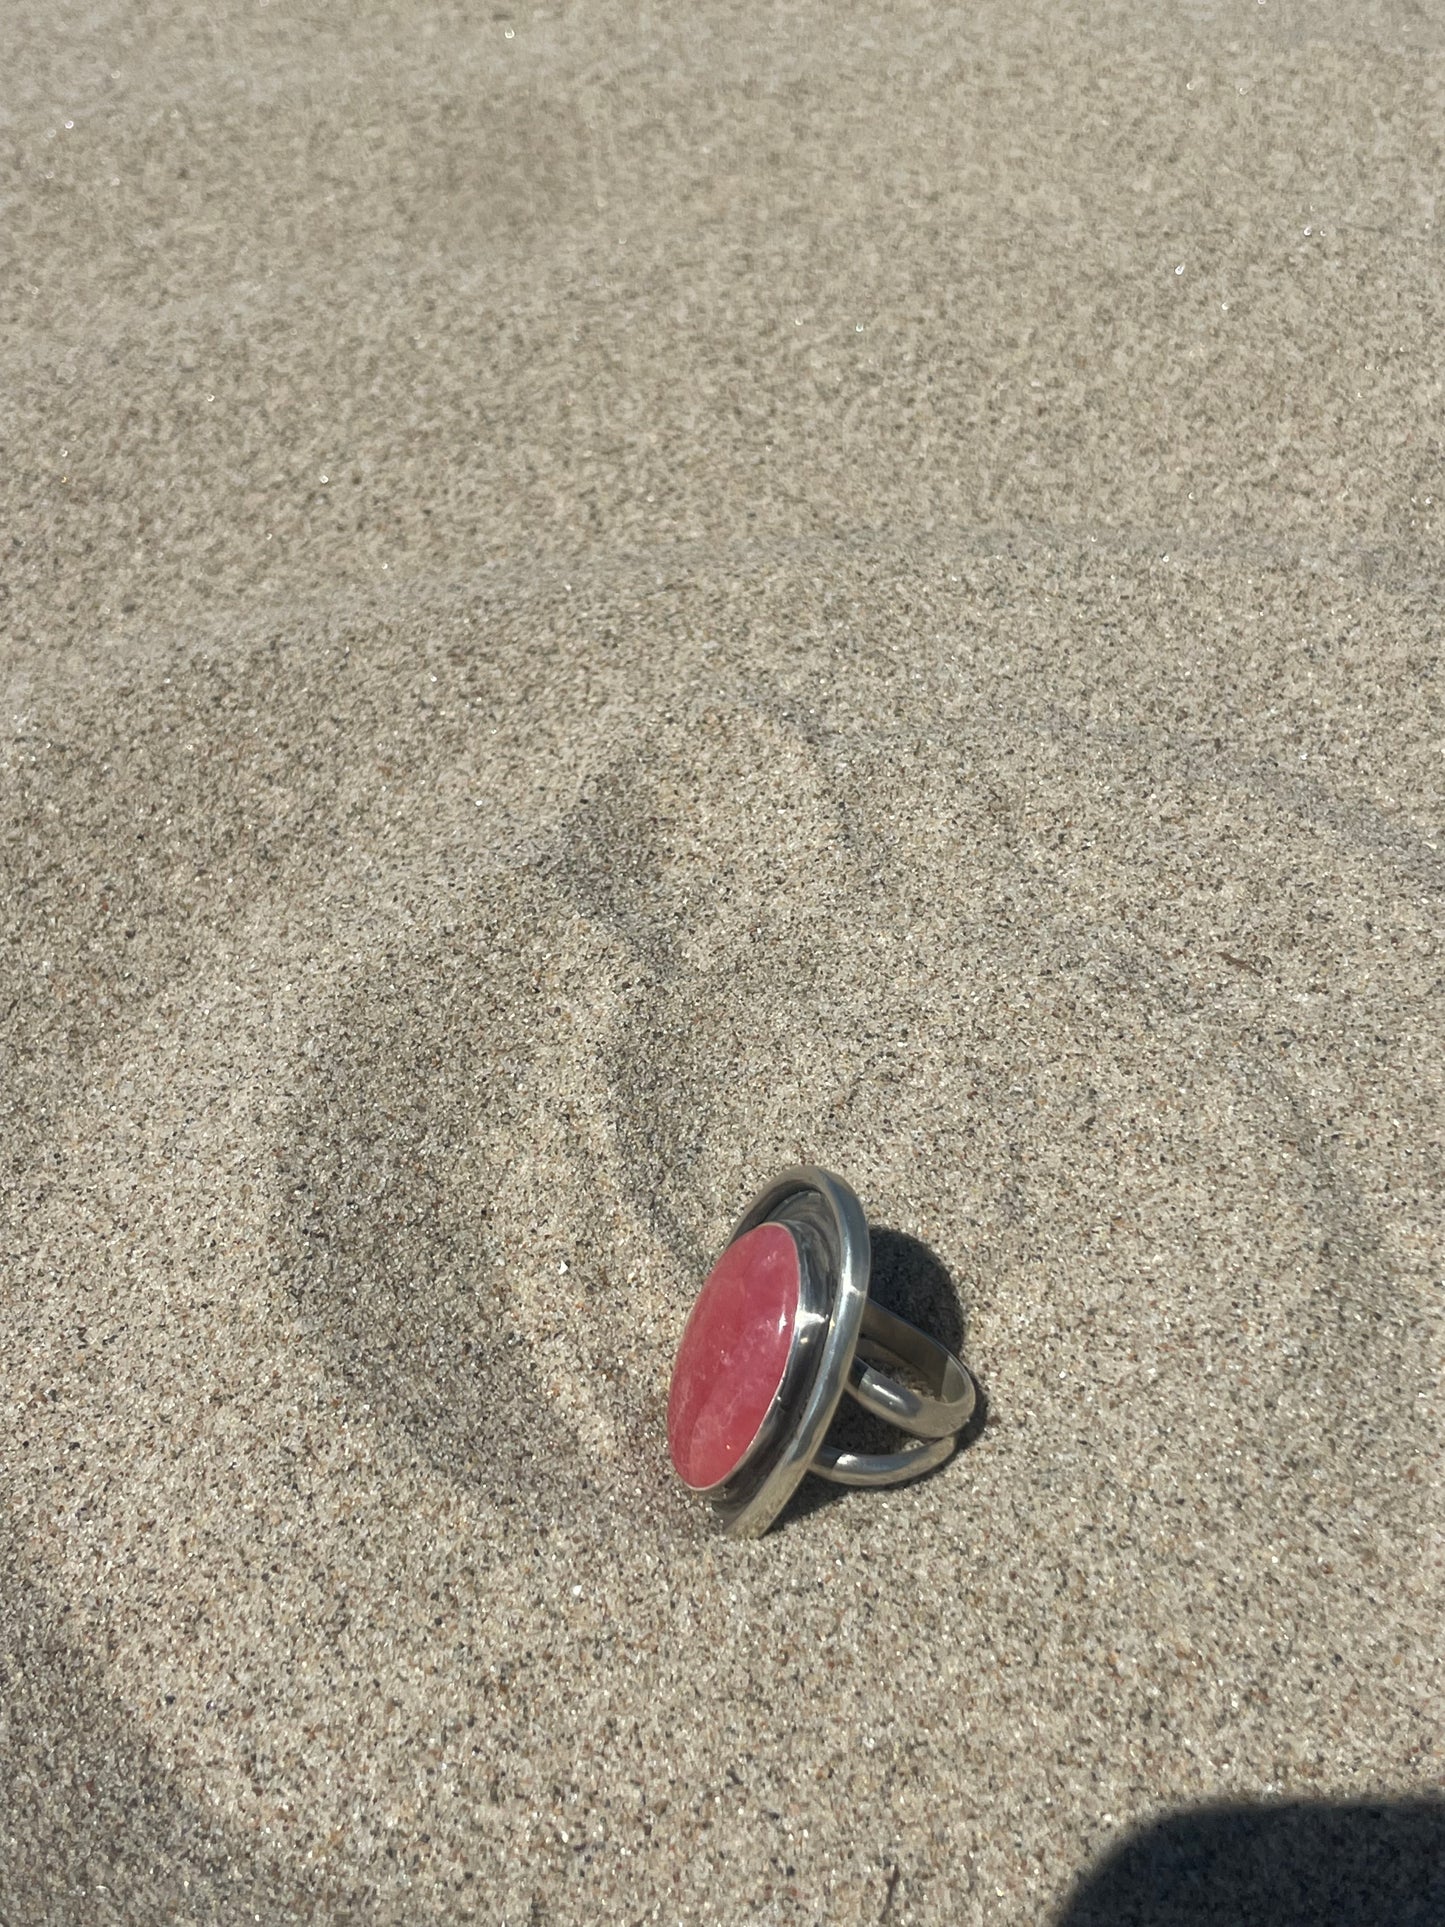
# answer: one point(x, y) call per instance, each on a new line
point(733, 1355)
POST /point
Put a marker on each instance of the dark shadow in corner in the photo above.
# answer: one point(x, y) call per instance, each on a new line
point(1288, 1864)
point(910, 1279)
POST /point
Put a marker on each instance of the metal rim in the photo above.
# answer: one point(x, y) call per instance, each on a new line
point(829, 1209)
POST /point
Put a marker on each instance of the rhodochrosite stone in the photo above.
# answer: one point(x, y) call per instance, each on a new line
point(733, 1355)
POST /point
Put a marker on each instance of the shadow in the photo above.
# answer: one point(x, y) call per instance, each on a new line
point(1291, 1864)
point(909, 1278)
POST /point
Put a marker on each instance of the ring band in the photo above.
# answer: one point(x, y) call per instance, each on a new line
point(781, 1329)
point(938, 1416)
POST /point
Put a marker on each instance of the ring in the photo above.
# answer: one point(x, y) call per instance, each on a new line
point(782, 1327)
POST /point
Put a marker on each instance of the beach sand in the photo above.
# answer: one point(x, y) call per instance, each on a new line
point(596, 602)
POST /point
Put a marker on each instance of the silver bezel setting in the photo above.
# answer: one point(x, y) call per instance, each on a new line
point(827, 1222)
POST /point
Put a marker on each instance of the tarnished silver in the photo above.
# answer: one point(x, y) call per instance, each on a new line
point(842, 1342)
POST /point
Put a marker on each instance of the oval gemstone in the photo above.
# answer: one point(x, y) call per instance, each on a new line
point(733, 1355)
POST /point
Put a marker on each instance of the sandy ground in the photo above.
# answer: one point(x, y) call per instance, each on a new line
point(599, 600)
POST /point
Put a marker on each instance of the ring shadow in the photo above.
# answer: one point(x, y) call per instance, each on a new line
point(1288, 1864)
point(909, 1278)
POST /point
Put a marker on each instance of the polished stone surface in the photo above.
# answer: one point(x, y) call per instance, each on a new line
point(733, 1356)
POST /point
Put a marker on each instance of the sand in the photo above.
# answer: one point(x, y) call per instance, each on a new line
point(598, 601)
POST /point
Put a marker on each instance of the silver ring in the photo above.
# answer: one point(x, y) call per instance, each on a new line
point(782, 1328)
